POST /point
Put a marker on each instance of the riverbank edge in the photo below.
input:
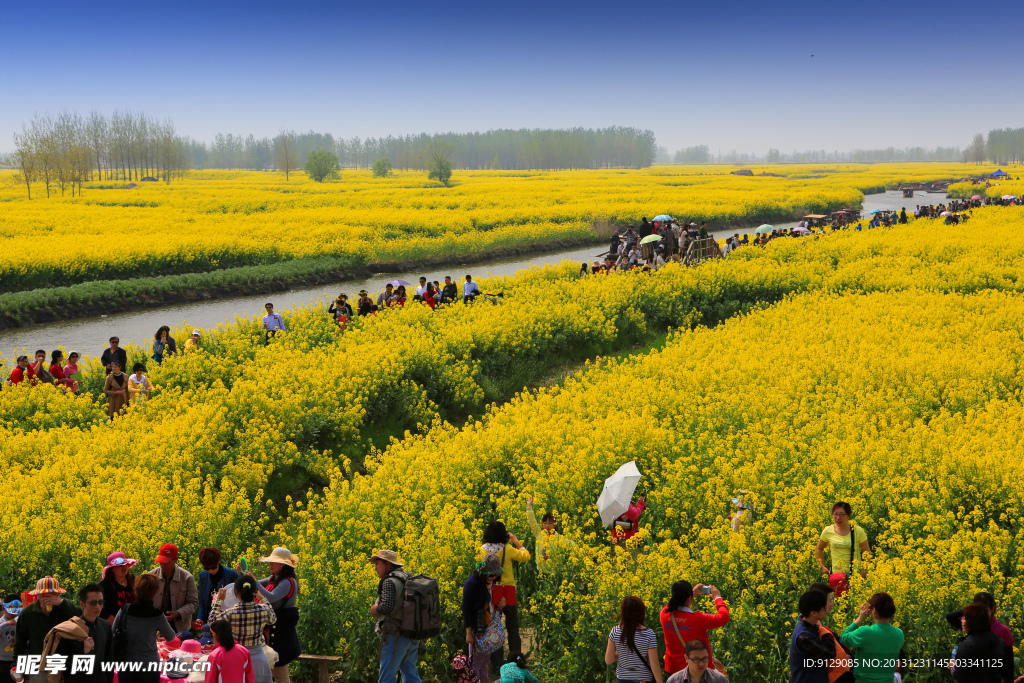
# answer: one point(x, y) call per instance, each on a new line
point(76, 301)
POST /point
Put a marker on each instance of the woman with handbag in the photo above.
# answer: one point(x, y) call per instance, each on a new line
point(633, 645)
point(837, 537)
point(509, 549)
point(484, 631)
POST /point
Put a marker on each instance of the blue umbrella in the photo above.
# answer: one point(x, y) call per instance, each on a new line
point(663, 217)
point(878, 211)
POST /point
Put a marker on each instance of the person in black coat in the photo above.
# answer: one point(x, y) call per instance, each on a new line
point(90, 599)
point(979, 658)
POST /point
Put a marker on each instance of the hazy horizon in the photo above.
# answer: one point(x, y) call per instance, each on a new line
point(736, 76)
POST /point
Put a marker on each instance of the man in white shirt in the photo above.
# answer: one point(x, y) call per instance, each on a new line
point(469, 290)
point(421, 291)
point(272, 322)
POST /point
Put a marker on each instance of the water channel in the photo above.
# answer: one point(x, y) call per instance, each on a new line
point(89, 336)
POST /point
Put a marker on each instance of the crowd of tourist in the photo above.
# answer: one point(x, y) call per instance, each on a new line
point(157, 625)
point(166, 616)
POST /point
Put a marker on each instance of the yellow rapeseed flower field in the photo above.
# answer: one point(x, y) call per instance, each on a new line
point(220, 219)
point(880, 367)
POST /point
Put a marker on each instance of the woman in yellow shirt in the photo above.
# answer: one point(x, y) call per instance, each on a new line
point(509, 549)
point(836, 537)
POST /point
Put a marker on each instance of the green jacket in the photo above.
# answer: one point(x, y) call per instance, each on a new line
point(34, 624)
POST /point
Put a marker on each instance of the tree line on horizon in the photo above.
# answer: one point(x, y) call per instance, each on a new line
point(536, 149)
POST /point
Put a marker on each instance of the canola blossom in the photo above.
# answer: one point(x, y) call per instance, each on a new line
point(879, 367)
point(222, 219)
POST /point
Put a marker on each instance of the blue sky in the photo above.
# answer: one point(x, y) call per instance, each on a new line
point(732, 75)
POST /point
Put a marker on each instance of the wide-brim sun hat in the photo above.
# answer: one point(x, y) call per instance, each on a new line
point(282, 555)
point(118, 559)
point(13, 607)
point(388, 556)
point(47, 586)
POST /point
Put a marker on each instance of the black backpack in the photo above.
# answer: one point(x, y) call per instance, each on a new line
point(118, 636)
point(420, 606)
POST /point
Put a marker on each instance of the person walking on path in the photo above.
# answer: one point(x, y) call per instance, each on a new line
point(682, 625)
point(115, 386)
point(229, 662)
point(398, 654)
point(844, 551)
point(281, 590)
point(115, 352)
point(272, 324)
point(876, 648)
point(178, 597)
point(633, 647)
point(38, 619)
point(509, 549)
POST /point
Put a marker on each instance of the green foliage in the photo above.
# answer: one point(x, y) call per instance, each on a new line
point(382, 168)
point(18, 305)
point(321, 164)
point(439, 162)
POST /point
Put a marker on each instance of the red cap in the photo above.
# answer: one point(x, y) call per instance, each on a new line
point(168, 553)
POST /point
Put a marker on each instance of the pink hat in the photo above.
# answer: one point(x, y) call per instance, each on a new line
point(189, 648)
point(117, 559)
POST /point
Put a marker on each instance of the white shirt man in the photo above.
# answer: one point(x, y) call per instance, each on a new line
point(272, 322)
point(469, 289)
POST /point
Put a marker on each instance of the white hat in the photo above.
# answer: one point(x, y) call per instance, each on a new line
point(195, 333)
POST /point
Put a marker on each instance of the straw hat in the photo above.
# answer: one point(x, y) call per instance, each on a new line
point(47, 586)
point(388, 556)
point(282, 555)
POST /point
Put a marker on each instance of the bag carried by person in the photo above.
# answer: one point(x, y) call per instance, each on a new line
point(493, 637)
point(421, 607)
point(839, 581)
point(464, 672)
point(642, 658)
point(118, 636)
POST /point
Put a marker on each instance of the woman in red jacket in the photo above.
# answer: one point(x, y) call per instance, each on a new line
point(681, 624)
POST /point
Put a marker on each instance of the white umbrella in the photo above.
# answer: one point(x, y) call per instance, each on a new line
point(618, 492)
point(945, 213)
